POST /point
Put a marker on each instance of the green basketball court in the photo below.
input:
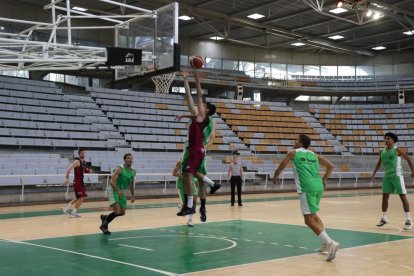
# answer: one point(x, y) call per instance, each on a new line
point(171, 250)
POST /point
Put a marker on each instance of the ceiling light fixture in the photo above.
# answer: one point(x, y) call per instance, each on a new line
point(336, 37)
point(379, 48)
point(297, 44)
point(369, 13)
point(80, 9)
point(409, 32)
point(255, 16)
point(216, 38)
point(338, 10)
point(377, 15)
point(184, 17)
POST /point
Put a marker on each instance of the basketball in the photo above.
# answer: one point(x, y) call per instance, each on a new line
point(196, 62)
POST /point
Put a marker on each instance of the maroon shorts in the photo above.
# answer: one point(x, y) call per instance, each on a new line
point(80, 190)
point(194, 160)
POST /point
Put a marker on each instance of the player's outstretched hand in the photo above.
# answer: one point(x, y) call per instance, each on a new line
point(67, 182)
point(178, 118)
point(186, 74)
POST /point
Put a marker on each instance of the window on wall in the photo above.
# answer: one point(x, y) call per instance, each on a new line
point(346, 71)
point(329, 70)
point(15, 73)
point(247, 67)
point(364, 70)
point(214, 63)
point(381, 70)
point(311, 70)
point(278, 71)
point(293, 69)
point(230, 64)
point(262, 70)
point(184, 60)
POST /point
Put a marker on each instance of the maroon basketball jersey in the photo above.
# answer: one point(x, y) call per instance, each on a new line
point(78, 179)
point(196, 134)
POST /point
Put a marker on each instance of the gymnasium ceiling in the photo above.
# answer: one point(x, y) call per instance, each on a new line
point(285, 22)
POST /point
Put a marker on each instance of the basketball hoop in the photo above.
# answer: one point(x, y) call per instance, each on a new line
point(163, 82)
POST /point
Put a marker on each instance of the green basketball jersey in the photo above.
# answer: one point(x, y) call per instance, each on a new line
point(306, 171)
point(125, 177)
point(391, 162)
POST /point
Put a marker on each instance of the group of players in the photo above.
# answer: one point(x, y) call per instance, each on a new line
point(192, 174)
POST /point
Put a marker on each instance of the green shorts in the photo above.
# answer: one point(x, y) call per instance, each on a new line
point(203, 166)
point(114, 198)
point(180, 187)
point(309, 202)
point(394, 185)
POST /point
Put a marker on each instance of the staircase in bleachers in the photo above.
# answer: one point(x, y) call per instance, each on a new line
point(362, 128)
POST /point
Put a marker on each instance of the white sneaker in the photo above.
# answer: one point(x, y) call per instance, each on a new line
point(324, 248)
point(76, 215)
point(190, 223)
point(408, 225)
point(65, 210)
point(333, 247)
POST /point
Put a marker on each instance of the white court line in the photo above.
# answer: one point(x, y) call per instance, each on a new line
point(293, 257)
point(234, 244)
point(93, 256)
point(143, 248)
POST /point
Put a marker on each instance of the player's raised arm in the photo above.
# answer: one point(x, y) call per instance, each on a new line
point(201, 116)
point(190, 102)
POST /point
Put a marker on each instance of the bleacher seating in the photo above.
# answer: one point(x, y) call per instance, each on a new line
point(37, 114)
point(269, 127)
point(362, 128)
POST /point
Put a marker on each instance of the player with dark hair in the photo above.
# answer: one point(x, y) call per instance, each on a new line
point(310, 186)
point(200, 120)
point(122, 178)
point(393, 182)
point(79, 168)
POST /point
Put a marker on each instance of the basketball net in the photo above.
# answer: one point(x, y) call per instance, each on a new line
point(163, 82)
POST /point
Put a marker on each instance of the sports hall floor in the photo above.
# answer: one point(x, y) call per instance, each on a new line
point(264, 237)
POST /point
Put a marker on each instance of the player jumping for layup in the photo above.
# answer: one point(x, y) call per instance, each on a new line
point(195, 147)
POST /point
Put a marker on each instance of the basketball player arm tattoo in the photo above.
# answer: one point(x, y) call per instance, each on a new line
point(69, 169)
point(190, 102)
point(201, 116)
point(114, 178)
point(329, 168)
point(283, 165)
point(404, 154)
point(376, 168)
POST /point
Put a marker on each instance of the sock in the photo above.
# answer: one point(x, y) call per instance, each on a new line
point(325, 238)
point(191, 217)
point(384, 215)
point(110, 218)
point(208, 181)
point(407, 216)
point(203, 203)
point(190, 201)
point(74, 211)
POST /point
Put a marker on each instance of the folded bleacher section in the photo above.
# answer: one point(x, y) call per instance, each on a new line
point(362, 128)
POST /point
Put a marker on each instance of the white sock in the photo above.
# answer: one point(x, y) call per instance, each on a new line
point(407, 216)
point(208, 181)
point(190, 201)
point(384, 215)
point(325, 238)
point(74, 211)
